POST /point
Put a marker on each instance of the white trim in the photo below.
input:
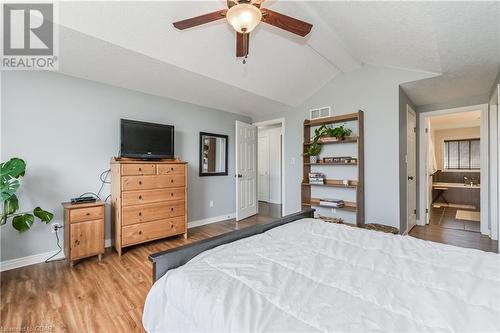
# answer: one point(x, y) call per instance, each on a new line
point(36, 259)
point(484, 160)
point(494, 107)
point(283, 157)
point(209, 220)
point(29, 260)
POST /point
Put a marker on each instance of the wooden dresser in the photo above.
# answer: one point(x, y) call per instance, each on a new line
point(149, 200)
point(83, 230)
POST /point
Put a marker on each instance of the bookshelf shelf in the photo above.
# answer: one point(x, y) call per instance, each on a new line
point(358, 207)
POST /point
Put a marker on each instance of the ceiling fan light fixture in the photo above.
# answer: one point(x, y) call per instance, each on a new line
point(244, 17)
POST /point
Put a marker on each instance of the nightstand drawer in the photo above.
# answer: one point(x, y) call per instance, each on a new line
point(86, 214)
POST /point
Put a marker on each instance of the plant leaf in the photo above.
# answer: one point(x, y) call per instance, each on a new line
point(23, 222)
point(43, 215)
point(11, 205)
point(13, 168)
point(8, 186)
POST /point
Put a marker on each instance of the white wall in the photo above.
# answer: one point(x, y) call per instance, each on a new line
point(67, 130)
point(274, 136)
point(374, 90)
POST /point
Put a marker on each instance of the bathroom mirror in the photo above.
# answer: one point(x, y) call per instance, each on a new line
point(213, 154)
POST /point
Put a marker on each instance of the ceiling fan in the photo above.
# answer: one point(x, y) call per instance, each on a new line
point(244, 16)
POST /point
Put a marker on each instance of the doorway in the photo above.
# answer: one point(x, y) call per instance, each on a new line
point(453, 166)
point(270, 173)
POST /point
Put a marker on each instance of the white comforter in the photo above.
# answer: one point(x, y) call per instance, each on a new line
point(314, 276)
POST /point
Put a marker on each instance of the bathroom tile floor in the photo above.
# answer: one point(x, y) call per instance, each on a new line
point(446, 218)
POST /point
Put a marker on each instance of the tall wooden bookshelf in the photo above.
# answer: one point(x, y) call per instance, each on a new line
point(358, 206)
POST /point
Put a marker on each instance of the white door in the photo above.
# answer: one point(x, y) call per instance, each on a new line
point(263, 168)
point(411, 168)
point(246, 170)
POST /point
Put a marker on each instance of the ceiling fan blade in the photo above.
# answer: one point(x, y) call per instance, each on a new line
point(242, 44)
point(287, 23)
point(199, 20)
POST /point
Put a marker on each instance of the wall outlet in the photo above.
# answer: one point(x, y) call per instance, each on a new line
point(211, 203)
point(56, 226)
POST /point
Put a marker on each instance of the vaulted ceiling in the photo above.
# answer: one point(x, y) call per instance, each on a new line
point(134, 45)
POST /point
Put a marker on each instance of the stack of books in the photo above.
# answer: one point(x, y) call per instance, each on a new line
point(316, 178)
point(334, 203)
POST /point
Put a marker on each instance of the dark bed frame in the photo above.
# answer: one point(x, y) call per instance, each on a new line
point(173, 258)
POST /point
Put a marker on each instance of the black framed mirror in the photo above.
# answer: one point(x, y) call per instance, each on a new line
point(213, 154)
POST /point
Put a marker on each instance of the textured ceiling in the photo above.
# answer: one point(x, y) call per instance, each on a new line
point(133, 45)
point(456, 120)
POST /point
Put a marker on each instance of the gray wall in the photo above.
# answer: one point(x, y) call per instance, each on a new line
point(375, 90)
point(67, 130)
point(404, 100)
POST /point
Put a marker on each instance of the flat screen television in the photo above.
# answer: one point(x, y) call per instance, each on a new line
point(146, 140)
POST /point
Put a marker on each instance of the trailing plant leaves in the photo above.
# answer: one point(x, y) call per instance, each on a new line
point(13, 168)
point(8, 186)
point(11, 205)
point(43, 215)
point(23, 222)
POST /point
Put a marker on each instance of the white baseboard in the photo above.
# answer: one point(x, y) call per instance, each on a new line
point(36, 259)
point(28, 260)
point(209, 220)
point(39, 258)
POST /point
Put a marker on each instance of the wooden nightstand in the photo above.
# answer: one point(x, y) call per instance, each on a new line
point(83, 230)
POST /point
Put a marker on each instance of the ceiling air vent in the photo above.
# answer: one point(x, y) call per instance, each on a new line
point(321, 112)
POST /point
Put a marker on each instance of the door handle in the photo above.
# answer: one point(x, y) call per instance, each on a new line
point(239, 175)
point(410, 177)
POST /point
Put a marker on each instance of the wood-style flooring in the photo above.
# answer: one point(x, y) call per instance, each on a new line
point(108, 296)
point(93, 296)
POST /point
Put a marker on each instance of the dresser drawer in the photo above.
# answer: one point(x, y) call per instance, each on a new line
point(86, 214)
point(150, 196)
point(152, 212)
point(142, 232)
point(151, 182)
point(171, 169)
point(138, 169)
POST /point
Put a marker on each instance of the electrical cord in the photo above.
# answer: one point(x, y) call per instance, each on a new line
point(103, 177)
point(58, 245)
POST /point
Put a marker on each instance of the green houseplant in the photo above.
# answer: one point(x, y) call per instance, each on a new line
point(313, 152)
point(11, 173)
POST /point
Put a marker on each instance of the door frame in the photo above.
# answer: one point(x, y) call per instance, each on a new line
point(409, 109)
point(422, 162)
point(268, 167)
point(494, 107)
point(283, 135)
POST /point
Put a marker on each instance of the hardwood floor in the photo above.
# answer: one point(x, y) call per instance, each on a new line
point(457, 237)
point(93, 296)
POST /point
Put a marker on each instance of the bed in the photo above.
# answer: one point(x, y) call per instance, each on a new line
point(308, 275)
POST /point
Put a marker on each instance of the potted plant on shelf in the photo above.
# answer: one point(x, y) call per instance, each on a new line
point(11, 173)
point(313, 152)
point(328, 134)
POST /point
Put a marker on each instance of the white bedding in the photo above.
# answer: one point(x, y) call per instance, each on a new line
point(314, 276)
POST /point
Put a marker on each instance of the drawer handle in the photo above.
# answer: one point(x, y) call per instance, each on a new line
point(140, 182)
point(140, 197)
point(171, 180)
point(172, 209)
point(87, 214)
point(140, 213)
point(172, 194)
point(172, 226)
point(140, 232)
point(171, 169)
point(140, 169)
